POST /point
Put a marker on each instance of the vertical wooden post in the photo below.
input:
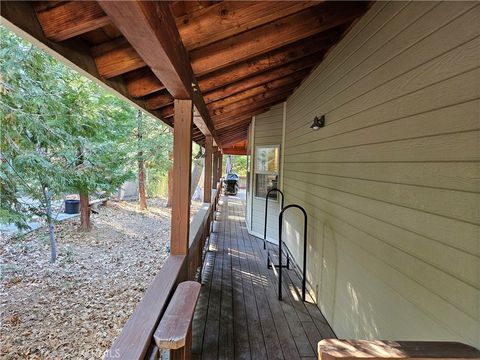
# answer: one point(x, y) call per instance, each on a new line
point(182, 167)
point(220, 166)
point(215, 167)
point(207, 185)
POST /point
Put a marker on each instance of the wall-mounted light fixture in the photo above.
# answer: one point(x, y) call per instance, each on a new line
point(318, 122)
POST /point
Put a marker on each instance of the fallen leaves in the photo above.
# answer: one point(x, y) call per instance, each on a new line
point(75, 308)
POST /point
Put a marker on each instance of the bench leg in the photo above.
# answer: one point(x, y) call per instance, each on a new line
point(184, 353)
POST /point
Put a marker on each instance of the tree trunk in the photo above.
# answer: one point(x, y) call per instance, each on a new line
point(196, 175)
point(170, 179)
point(142, 198)
point(84, 212)
point(51, 225)
point(170, 187)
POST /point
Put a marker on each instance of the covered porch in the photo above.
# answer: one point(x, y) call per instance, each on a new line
point(389, 180)
point(238, 314)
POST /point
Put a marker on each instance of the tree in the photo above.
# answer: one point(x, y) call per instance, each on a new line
point(32, 142)
point(142, 198)
point(102, 144)
point(60, 133)
point(197, 169)
point(63, 133)
point(155, 143)
point(170, 179)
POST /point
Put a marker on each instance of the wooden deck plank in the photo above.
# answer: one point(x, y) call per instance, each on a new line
point(225, 344)
point(272, 342)
point(239, 315)
point(257, 341)
point(241, 329)
point(306, 311)
point(319, 320)
point(294, 341)
point(285, 336)
point(293, 308)
point(212, 326)
point(200, 316)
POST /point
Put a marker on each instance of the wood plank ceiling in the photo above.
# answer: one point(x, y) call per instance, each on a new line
point(243, 57)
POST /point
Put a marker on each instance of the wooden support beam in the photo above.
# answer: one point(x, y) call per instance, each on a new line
point(166, 112)
point(273, 35)
point(254, 97)
point(258, 100)
point(233, 129)
point(142, 82)
point(235, 137)
point(274, 85)
point(243, 119)
point(71, 18)
point(182, 8)
point(229, 18)
point(159, 100)
point(215, 167)
point(220, 166)
point(182, 166)
point(263, 78)
point(234, 112)
point(236, 132)
point(115, 58)
point(233, 140)
point(235, 151)
point(227, 121)
point(207, 184)
point(316, 44)
point(159, 46)
point(150, 28)
point(201, 125)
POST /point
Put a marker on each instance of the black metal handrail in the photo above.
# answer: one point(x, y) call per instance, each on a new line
point(266, 213)
point(304, 270)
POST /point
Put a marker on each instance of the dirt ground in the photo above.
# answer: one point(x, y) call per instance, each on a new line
point(75, 308)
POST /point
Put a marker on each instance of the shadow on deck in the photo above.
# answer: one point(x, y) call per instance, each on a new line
point(238, 314)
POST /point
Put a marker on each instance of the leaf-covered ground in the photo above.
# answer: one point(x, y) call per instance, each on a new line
point(75, 308)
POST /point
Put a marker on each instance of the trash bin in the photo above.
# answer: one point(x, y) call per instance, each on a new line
point(72, 206)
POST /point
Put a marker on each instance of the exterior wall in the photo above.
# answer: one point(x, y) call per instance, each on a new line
point(391, 183)
point(267, 131)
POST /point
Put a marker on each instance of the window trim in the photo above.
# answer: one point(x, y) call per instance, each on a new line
point(254, 166)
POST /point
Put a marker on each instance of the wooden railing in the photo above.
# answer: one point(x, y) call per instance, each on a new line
point(135, 342)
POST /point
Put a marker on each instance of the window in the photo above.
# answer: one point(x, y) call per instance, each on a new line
point(266, 170)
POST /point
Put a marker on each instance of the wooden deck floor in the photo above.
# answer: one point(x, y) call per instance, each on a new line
point(238, 315)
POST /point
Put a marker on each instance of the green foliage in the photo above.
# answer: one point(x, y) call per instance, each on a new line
point(239, 164)
point(62, 132)
point(154, 148)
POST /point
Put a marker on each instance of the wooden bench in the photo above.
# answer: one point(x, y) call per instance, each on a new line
point(175, 329)
point(333, 349)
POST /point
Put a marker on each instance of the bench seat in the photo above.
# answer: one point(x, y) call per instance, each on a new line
point(176, 323)
point(333, 349)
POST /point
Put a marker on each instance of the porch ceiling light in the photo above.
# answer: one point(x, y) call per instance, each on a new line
point(318, 122)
